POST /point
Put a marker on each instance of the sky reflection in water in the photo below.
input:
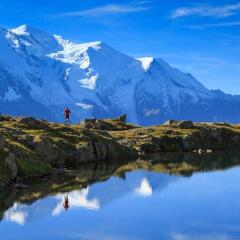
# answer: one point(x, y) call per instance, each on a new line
point(144, 205)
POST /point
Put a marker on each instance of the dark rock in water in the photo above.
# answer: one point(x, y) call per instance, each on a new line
point(122, 118)
point(179, 124)
point(20, 186)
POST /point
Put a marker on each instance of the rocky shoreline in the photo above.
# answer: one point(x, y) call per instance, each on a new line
point(31, 148)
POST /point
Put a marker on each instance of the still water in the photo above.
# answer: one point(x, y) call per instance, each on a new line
point(139, 205)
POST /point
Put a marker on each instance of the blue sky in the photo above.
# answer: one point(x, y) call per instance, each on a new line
point(201, 37)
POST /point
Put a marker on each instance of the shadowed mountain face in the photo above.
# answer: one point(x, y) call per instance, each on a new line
point(41, 73)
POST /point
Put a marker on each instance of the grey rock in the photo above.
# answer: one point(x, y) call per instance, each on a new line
point(186, 124)
point(32, 122)
point(179, 124)
point(122, 118)
point(89, 120)
point(170, 123)
point(48, 151)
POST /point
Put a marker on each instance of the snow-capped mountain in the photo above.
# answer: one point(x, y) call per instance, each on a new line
point(40, 74)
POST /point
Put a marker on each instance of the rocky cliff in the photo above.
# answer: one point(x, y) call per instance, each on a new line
point(31, 148)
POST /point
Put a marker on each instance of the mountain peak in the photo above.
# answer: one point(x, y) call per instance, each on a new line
point(35, 40)
point(95, 80)
point(146, 62)
point(27, 30)
point(96, 45)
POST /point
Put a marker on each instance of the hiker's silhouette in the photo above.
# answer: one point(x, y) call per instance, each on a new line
point(67, 114)
point(66, 203)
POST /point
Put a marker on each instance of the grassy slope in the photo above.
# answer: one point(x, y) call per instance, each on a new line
point(139, 136)
point(18, 138)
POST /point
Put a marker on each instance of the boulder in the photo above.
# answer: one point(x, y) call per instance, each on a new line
point(179, 124)
point(97, 124)
point(115, 124)
point(170, 123)
point(32, 122)
point(89, 120)
point(185, 124)
point(122, 118)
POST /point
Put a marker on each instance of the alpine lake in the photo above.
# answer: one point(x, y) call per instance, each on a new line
point(169, 196)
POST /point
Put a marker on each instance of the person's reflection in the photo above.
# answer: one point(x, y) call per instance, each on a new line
point(66, 203)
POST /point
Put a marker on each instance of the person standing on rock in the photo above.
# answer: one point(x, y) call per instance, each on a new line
point(67, 113)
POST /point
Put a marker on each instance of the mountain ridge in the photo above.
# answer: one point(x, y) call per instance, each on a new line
point(40, 74)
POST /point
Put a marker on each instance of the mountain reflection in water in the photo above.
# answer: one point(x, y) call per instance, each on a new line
point(165, 191)
point(94, 197)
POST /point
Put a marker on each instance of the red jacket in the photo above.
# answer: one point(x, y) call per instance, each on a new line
point(67, 113)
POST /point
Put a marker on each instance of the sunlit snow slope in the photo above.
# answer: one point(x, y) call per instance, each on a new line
point(40, 74)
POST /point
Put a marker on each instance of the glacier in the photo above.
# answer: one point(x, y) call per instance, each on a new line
point(41, 74)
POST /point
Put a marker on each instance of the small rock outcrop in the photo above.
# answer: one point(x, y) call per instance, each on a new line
point(97, 124)
point(179, 124)
point(32, 122)
point(122, 118)
point(115, 124)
